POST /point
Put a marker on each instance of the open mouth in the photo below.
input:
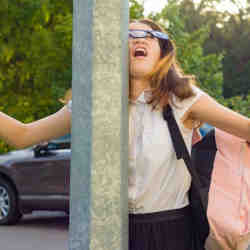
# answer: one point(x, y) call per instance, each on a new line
point(140, 52)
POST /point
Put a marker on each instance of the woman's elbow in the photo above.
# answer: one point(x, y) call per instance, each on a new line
point(21, 139)
point(19, 145)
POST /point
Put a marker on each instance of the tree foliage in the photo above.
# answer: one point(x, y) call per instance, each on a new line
point(136, 9)
point(35, 56)
point(230, 33)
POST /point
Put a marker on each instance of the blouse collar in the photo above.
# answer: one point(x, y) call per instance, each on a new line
point(144, 97)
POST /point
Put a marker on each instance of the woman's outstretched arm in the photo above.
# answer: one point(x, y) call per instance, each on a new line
point(22, 135)
point(206, 109)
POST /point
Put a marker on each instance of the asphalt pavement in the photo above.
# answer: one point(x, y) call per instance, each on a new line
point(37, 231)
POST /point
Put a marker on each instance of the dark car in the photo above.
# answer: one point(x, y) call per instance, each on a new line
point(35, 178)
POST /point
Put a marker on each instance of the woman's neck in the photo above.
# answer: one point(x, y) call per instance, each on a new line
point(137, 87)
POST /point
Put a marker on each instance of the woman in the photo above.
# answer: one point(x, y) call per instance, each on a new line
point(159, 216)
point(158, 184)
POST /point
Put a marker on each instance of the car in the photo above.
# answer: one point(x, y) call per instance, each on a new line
point(35, 178)
point(205, 128)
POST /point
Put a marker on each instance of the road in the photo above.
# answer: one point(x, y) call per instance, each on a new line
point(37, 231)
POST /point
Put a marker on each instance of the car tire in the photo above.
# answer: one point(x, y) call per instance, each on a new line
point(9, 211)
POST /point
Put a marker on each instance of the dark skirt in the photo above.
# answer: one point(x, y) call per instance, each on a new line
point(167, 230)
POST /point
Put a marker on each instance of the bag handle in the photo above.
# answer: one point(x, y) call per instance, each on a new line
point(181, 150)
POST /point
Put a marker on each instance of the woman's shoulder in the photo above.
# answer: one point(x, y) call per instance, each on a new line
point(197, 93)
point(197, 90)
point(181, 106)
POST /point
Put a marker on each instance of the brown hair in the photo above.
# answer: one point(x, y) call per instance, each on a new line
point(167, 78)
point(67, 96)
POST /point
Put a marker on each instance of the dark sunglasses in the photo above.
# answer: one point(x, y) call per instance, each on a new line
point(145, 33)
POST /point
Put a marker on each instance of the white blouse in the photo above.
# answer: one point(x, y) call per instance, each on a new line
point(157, 180)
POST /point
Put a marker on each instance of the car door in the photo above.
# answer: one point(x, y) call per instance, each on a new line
point(67, 175)
point(43, 175)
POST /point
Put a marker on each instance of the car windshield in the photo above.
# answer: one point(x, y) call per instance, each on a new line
point(65, 138)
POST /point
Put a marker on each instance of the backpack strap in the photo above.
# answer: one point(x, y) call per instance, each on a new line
point(182, 151)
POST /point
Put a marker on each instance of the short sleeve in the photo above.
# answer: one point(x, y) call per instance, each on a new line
point(180, 107)
point(69, 106)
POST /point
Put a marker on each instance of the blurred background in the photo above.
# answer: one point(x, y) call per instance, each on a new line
point(35, 57)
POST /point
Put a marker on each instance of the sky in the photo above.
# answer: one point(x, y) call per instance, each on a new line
point(153, 5)
point(157, 5)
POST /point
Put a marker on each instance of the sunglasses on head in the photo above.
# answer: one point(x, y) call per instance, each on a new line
point(146, 33)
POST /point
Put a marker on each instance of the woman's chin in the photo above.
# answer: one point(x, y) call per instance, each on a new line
point(138, 75)
point(140, 72)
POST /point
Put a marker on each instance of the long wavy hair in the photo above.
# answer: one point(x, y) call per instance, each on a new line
point(167, 78)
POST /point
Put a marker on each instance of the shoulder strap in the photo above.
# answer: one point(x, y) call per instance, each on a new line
point(181, 149)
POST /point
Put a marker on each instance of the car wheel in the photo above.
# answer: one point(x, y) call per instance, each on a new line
point(9, 212)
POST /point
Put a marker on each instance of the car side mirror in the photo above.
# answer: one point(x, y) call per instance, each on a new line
point(41, 149)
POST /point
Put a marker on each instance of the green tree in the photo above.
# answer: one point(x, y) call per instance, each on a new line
point(230, 33)
point(35, 56)
point(136, 9)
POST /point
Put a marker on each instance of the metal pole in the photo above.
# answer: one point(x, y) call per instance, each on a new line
point(98, 205)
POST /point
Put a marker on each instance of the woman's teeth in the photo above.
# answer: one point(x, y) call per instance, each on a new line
point(140, 52)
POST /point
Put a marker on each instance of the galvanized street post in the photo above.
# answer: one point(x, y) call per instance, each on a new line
point(98, 205)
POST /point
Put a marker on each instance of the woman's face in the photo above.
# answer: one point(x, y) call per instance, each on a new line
point(142, 63)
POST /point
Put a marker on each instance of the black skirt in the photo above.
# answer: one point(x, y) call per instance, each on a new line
point(167, 230)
